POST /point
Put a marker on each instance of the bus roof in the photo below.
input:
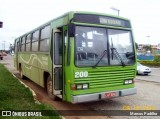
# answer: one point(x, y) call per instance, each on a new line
point(70, 16)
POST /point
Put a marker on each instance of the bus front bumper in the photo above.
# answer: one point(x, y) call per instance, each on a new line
point(102, 95)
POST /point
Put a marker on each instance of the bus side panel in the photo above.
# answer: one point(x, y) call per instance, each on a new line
point(42, 67)
point(27, 67)
point(15, 57)
point(33, 67)
point(24, 61)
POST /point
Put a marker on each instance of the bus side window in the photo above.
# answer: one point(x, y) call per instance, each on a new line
point(23, 43)
point(58, 48)
point(18, 49)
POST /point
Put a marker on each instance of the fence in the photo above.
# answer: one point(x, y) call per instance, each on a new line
point(145, 57)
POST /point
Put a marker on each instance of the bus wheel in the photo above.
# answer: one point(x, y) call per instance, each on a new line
point(21, 73)
point(50, 89)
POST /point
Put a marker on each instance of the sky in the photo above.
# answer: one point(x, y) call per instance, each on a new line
point(21, 16)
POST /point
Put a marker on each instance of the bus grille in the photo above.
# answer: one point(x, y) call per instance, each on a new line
point(107, 78)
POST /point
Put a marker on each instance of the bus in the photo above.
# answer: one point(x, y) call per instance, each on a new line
point(80, 57)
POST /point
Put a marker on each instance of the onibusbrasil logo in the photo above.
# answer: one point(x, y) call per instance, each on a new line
point(21, 113)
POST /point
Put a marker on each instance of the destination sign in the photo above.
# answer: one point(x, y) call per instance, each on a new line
point(111, 21)
point(99, 19)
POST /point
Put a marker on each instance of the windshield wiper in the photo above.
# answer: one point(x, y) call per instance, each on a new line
point(104, 52)
point(118, 55)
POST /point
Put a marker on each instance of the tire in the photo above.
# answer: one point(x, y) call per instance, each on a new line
point(21, 73)
point(137, 73)
point(50, 89)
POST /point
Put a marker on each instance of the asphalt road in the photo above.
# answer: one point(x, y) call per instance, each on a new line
point(153, 76)
point(147, 97)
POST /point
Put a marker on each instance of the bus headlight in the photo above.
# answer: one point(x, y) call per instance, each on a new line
point(128, 81)
point(85, 86)
point(81, 86)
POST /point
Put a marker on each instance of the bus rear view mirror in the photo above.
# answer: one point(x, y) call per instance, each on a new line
point(71, 30)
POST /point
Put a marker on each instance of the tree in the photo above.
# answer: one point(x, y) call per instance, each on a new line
point(148, 48)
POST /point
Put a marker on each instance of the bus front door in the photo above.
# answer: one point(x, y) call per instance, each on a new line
point(57, 63)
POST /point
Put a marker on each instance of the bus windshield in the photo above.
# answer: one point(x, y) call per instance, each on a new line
point(92, 42)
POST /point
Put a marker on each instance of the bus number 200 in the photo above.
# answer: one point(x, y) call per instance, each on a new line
point(81, 74)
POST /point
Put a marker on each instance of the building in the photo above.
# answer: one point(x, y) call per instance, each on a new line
point(144, 48)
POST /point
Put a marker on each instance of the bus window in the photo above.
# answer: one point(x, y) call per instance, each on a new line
point(23, 44)
point(44, 41)
point(18, 46)
point(90, 43)
point(58, 48)
point(58, 78)
point(35, 39)
point(28, 40)
point(15, 46)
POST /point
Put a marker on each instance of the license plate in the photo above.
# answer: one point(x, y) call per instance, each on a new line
point(111, 94)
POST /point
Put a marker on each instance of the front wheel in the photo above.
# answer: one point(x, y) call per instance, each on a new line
point(50, 89)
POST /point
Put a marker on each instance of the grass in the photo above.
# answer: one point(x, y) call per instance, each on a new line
point(15, 96)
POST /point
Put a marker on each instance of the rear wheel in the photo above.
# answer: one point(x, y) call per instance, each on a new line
point(21, 73)
point(50, 89)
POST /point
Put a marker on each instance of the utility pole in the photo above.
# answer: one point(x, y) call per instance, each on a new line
point(4, 44)
point(148, 39)
point(115, 9)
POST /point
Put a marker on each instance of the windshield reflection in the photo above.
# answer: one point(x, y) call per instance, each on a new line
point(91, 42)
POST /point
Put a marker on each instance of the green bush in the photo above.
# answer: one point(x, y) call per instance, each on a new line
point(157, 58)
point(150, 63)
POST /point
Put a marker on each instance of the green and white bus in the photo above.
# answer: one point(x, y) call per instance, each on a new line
point(80, 57)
